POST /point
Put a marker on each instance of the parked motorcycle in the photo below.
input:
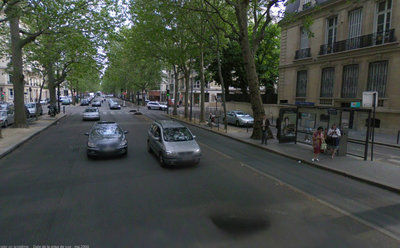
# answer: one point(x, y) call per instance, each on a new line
point(52, 110)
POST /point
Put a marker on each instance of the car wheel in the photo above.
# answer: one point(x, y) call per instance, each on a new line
point(237, 123)
point(148, 108)
point(162, 161)
point(6, 124)
point(149, 148)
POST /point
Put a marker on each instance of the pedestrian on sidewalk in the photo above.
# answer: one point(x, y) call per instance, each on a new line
point(334, 134)
point(278, 127)
point(318, 139)
point(264, 128)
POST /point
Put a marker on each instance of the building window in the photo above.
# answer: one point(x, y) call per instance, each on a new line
point(350, 81)
point(196, 84)
point(377, 77)
point(304, 42)
point(331, 30)
point(383, 20)
point(306, 4)
point(10, 94)
point(355, 23)
point(301, 87)
point(327, 79)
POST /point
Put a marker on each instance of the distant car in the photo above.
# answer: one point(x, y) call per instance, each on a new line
point(91, 114)
point(6, 117)
point(114, 105)
point(33, 107)
point(85, 102)
point(172, 143)
point(239, 118)
point(156, 105)
point(6, 105)
point(96, 103)
point(45, 101)
point(66, 102)
point(106, 138)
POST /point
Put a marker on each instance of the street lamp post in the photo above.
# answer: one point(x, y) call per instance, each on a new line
point(191, 100)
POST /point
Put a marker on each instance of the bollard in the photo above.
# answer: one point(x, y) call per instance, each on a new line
point(247, 127)
point(64, 109)
point(218, 123)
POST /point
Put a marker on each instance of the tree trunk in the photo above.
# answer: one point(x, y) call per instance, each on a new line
point(51, 83)
point(176, 85)
point(221, 79)
point(250, 68)
point(16, 75)
point(187, 79)
point(202, 85)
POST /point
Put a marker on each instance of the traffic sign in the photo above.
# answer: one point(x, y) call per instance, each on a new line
point(355, 104)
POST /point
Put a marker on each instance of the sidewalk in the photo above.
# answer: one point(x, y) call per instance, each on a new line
point(14, 137)
point(381, 174)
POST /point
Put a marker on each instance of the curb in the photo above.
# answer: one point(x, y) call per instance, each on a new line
point(316, 165)
point(14, 147)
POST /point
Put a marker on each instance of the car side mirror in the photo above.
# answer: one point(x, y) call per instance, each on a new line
point(87, 134)
point(125, 132)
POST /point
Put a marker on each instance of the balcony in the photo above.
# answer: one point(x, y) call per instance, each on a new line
point(303, 53)
point(368, 40)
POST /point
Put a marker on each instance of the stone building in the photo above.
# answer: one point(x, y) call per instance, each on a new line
point(334, 50)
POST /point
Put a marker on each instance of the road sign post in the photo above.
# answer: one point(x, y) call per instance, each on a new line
point(370, 100)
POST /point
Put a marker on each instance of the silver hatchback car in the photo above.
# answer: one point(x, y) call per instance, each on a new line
point(172, 143)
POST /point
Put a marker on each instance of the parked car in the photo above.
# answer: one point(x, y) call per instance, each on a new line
point(239, 118)
point(156, 105)
point(114, 105)
point(106, 138)
point(6, 117)
point(6, 105)
point(33, 107)
point(85, 102)
point(91, 114)
point(96, 103)
point(172, 143)
point(45, 101)
point(66, 101)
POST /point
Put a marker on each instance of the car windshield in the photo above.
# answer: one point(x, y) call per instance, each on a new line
point(90, 110)
point(241, 113)
point(30, 105)
point(107, 131)
point(177, 134)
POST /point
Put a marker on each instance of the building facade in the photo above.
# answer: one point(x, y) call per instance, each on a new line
point(349, 47)
point(33, 82)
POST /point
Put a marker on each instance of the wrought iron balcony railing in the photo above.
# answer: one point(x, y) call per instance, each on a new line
point(303, 53)
point(368, 40)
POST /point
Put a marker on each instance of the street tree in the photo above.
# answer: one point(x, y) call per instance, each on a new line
point(259, 13)
point(30, 19)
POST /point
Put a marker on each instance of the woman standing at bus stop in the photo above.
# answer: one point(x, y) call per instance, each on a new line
point(318, 139)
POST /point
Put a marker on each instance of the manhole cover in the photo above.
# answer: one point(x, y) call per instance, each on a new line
point(239, 225)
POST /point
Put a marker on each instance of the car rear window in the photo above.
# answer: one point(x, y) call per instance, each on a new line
point(177, 134)
point(90, 110)
point(105, 130)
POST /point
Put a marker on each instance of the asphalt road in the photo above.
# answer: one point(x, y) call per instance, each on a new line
point(52, 194)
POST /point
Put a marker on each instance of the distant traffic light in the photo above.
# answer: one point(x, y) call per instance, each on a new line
point(167, 92)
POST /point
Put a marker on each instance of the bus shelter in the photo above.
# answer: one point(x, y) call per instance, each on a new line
point(298, 123)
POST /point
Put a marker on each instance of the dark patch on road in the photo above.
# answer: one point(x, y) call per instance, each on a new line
point(240, 224)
